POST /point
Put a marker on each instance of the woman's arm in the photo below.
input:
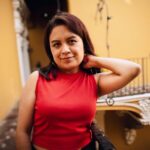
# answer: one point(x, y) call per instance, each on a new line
point(121, 72)
point(25, 115)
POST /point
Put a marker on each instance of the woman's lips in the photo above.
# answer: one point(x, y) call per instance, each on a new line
point(67, 59)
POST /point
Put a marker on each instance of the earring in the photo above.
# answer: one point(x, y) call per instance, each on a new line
point(53, 64)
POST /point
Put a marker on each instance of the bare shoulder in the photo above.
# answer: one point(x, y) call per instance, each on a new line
point(29, 89)
point(28, 92)
point(98, 76)
point(32, 79)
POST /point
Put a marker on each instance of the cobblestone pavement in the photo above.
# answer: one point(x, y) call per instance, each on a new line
point(8, 130)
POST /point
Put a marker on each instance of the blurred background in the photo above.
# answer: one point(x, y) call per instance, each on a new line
point(119, 28)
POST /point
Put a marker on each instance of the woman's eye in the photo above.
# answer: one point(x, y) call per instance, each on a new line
point(56, 45)
point(72, 42)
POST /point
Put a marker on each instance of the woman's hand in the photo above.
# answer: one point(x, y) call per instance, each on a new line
point(89, 61)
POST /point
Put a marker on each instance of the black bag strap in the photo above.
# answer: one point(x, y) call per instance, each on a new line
point(103, 142)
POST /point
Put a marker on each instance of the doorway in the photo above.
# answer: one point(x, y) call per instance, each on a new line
point(40, 11)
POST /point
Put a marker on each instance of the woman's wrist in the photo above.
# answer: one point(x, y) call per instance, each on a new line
point(91, 61)
point(95, 61)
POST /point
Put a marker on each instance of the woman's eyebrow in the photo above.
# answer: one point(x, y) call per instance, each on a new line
point(70, 37)
point(54, 41)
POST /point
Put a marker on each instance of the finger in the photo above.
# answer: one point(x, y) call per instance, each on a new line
point(85, 59)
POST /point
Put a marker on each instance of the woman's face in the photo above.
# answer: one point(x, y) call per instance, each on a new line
point(67, 49)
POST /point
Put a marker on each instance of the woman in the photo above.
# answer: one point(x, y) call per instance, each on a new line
point(58, 103)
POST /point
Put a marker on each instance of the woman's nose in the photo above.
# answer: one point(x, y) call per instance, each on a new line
point(65, 49)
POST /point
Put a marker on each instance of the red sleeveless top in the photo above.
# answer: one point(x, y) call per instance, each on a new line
point(64, 110)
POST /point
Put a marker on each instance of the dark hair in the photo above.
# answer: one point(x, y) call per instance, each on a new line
point(76, 26)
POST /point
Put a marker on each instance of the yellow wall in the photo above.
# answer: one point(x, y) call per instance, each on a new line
point(129, 27)
point(10, 85)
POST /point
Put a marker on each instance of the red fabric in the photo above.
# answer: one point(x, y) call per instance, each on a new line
point(64, 110)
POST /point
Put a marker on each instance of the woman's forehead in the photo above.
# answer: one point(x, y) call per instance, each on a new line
point(62, 31)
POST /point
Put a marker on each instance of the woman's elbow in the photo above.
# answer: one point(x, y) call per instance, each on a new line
point(136, 70)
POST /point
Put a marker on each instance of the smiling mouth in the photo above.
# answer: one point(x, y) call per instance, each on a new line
point(67, 58)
